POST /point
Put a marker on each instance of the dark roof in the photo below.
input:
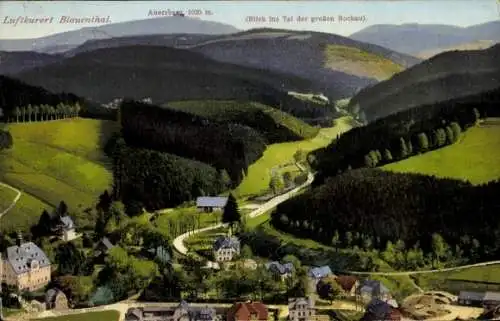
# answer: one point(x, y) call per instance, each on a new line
point(105, 241)
point(378, 310)
point(473, 296)
point(292, 302)
point(211, 201)
point(276, 266)
point(21, 257)
point(320, 272)
point(374, 287)
point(226, 242)
point(346, 282)
point(492, 296)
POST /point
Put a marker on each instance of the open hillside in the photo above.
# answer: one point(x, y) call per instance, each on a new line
point(162, 74)
point(338, 65)
point(445, 76)
point(53, 161)
point(476, 45)
point(275, 125)
point(475, 157)
point(413, 38)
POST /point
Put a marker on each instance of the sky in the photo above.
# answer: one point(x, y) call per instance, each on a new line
point(453, 12)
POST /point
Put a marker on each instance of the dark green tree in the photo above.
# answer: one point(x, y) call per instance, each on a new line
point(231, 214)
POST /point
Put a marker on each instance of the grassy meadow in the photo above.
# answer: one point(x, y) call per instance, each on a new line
point(475, 157)
point(54, 161)
point(259, 173)
point(359, 62)
point(111, 315)
point(481, 278)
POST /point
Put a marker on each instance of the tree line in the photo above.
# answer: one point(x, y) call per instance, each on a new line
point(410, 132)
point(144, 178)
point(370, 207)
point(232, 147)
point(43, 112)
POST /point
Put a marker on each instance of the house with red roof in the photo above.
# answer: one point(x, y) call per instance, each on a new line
point(248, 311)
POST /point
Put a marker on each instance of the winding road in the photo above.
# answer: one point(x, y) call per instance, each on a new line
point(14, 202)
point(178, 243)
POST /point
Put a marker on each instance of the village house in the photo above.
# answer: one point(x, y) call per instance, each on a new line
point(373, 289)
point(248, 311)
point(226, 248)
point(161, 253)
point(183, 312)
point(488, 300)
point(67, 228)
point(25, 267)
point(348, 283)
point(319, 272)
point(102, 247)
point(210, 204)
point(55, 299)
point(378, 310)
point(301, 309)
point(282, 271)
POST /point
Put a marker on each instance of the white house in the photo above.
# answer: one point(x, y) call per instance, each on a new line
point(68, 229)
point(226, 248)
point(301, 309)
point(211, 203)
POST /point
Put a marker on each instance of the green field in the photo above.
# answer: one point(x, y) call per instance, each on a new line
point(259, 173)
point(187, 216)
point(359, 62)
point(91, 316)
point(475, 157)
point(54, 161)
point(481, 278)
point(246, 113)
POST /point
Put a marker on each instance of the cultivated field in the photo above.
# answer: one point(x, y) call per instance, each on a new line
point(475, 157)
point(259, 173)
point(359, 62)
point(54, 161)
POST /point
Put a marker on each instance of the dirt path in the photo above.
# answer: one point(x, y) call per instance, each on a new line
point(14, 201)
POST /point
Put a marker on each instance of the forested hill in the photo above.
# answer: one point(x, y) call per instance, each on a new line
point(15, 93)
point(368, 207)
point(161, 73)
point(413, 131)
point(446, 76)
point(228, 146)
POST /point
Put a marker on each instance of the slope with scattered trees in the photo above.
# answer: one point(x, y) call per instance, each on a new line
point(414, 131)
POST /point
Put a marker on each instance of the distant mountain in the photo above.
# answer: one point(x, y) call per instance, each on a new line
point(72, 39)
point(14, 62)
point(336, 65)
point(415, 38)
point(446, 76)
point(476, 45)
